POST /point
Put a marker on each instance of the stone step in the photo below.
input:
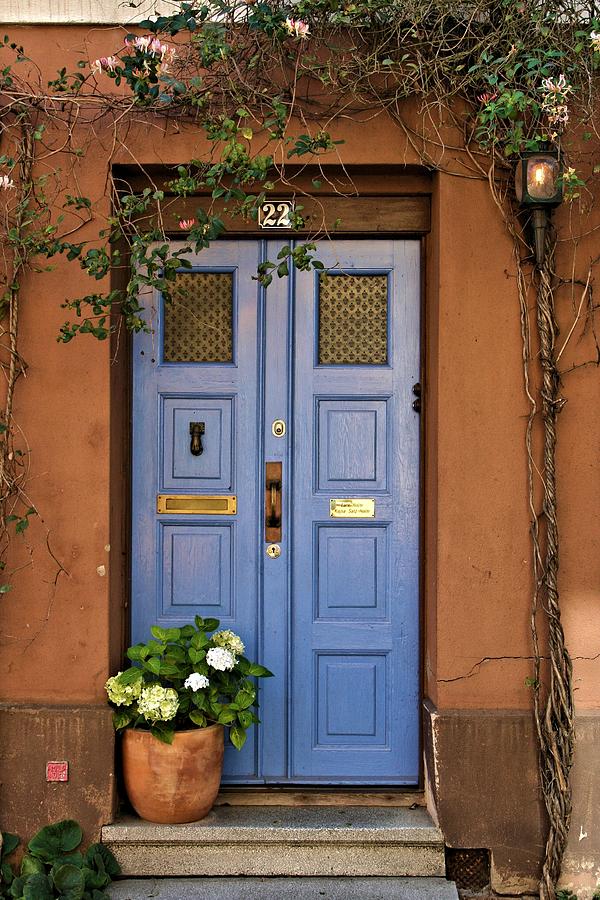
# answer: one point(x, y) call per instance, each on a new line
point(284, 889)
point(288, 841)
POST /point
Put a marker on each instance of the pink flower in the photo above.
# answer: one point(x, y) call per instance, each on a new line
point(297, 27)
point(105, 64)
point(487, 97)
point(556, 85)
point(186, 224)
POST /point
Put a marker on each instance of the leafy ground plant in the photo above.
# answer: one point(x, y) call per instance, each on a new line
point(54, 867)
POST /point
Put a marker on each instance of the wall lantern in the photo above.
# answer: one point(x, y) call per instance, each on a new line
point(538, 186)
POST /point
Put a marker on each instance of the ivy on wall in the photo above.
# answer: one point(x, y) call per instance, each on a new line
point(470, 86)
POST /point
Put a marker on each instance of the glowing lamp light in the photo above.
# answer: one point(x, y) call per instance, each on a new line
point(538, 186)
point(538, 181)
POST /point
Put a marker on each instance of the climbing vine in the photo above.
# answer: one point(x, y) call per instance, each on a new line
point(471, 86)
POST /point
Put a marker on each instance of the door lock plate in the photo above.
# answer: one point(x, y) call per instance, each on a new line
point(278, 428)
point(273, 550)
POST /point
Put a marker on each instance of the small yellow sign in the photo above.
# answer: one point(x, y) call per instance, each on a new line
point(352, 508)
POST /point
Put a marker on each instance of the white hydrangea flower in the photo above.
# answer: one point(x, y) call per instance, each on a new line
point(230, 641)
point(196, 681)
point(220, 658)
point(122, 694)
point(157, 703)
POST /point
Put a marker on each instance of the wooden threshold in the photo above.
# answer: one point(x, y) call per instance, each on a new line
point(314, 797)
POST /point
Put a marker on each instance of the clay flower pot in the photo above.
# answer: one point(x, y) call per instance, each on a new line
point(173, 783)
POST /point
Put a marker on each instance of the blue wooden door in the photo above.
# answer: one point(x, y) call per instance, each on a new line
point(334, 355)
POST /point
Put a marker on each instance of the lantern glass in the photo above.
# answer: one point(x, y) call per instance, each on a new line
point(542, 177)
point(537, 180)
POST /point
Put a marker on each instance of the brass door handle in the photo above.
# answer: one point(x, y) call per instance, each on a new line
point(273, 502)
point(274, 521)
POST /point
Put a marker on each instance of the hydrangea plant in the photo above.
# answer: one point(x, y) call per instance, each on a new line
point(187, 678)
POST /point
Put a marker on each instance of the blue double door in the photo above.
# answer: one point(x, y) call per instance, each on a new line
point(313, 561)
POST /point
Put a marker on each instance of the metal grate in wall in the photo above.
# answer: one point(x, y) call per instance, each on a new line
point(470, 869)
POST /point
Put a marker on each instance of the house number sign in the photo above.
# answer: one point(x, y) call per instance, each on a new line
point(276, 214)
point(359, 508)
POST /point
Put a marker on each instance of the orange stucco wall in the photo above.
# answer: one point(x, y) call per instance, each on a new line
point(57, 629)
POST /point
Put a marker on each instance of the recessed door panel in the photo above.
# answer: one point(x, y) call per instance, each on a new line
point(352, 570)
point(210, 470)
point(197, 571)
point(351, 447)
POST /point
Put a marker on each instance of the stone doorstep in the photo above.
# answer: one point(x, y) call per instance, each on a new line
point(284, 889)
point(286, 841)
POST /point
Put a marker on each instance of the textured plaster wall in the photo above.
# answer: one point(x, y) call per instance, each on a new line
point(61, 633)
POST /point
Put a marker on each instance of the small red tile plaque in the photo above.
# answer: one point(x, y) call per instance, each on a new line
point(57, 771)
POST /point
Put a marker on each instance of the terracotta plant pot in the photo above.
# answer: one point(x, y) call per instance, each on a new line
point(173, 783)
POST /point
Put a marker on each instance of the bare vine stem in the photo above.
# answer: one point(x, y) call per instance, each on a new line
point(555, 714)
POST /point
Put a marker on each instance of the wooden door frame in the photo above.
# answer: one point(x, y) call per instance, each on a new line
point(371, 202)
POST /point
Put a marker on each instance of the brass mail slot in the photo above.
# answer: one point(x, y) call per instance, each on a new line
point(350, 508)
point(211, 505)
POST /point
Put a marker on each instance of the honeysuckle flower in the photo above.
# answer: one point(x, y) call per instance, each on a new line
point(196, 681)
point(595, 39)
point(186, 224)
point(230, 641)
point(486, 97)
point(158, 704)
point(297, 27)
point(558, 85)
point(221, 659)
point(6, 182)
point(122, 694)
point(105, 64)
point(559, 115)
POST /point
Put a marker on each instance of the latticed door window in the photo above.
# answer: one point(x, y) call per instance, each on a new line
point(198, 322)
point(353, 319)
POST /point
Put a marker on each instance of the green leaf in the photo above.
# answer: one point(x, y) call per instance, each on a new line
point(37, 887)
point(54, 840)
point(211, 624)
point(259, 671)
point(30, 865)
point(100, 851)
point(163, 732)
point(70, 881)
point(122, 718)
point(153, 665)
point(238, 736)
point(198, 718)
point(159, 633)
point(17, 886)
point(95, 880)
point(244, 699)
point(245, 718)
point(10, 842)
point(131, 675)
point(226, 717)
point(6, 875)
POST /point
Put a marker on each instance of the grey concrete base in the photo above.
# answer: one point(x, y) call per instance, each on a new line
point(259, 841)
point(293, 888)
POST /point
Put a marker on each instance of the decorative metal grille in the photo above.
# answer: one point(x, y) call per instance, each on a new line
point(198, 323)
point(470, 869)
point(353, 319)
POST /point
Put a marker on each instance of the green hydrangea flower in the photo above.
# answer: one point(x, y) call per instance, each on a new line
point(122, 694)
point(158, 704)
point(229, 641)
